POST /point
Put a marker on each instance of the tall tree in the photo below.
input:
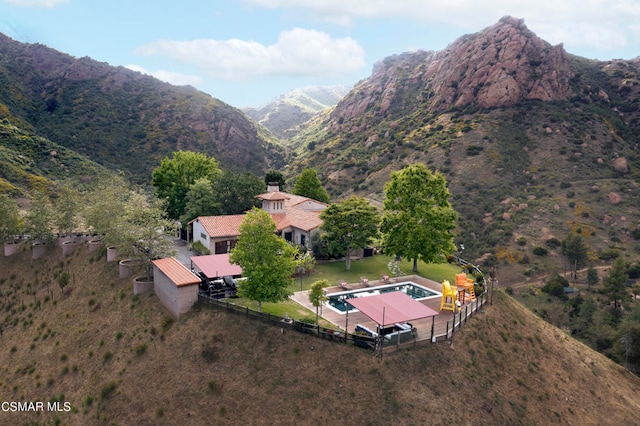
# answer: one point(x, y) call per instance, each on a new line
point(237, 192)
point(173, 178)
point(9, 219)
point(266, 259)
point(418, 220)
point(144, 236)
point(614, 283)
point(201, 200)
point(348, 225)
point(274, 176)
point(316, 294)
point(67, 208)
point(308, 185)
point(104, 209)
point(575, 250)
point(40, 218)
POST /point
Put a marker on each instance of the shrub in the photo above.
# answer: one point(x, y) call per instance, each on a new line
point(199, 248)
point(553, 243)
point(521, 241)
point(540, 251)
point(555, 286)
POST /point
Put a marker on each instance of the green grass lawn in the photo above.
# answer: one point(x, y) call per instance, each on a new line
point(371, 267)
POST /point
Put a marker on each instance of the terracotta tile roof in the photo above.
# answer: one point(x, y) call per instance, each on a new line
point(297, 218)
point(274, 196)
point(222, 226)
point(176, 272)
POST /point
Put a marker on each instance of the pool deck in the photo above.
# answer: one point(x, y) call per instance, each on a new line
point(423, 326)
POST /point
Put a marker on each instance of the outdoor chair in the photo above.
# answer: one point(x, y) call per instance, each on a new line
point(449, 297)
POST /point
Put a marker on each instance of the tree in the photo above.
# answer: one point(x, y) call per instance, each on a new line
point(266, 259)
point(614, 283)
point(40, 217)
point(104, 210)
point(316, 294)
point(173, 178)
point(308, 185)
point(592, 277)
point(348, 225)
point(201, 200)
point(9, 219)
point(144, 236)
point(67, 207)
point(237, 192)
point(417, 220)
point(274, 176)
point(575, 250)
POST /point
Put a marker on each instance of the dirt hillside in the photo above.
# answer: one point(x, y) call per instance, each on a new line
point(119, 359)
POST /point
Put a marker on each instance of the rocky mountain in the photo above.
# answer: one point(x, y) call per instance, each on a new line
point(121, 118)
point(534, 142)
point(282, 115)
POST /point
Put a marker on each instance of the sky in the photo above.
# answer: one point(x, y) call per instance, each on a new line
point(248, 52)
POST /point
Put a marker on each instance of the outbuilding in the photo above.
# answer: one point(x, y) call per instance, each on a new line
point(175, 285)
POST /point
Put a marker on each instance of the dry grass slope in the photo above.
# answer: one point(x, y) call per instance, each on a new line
point(119, 359)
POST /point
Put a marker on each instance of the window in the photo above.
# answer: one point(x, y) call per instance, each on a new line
point(203, 236)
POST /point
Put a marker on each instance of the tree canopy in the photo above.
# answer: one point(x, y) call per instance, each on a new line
point(316, 294)
point(275, 176)
point(267, 261)
point(575, 250)
point(174, 177)
point(614, 283)
point(418, 220)
point(308, 185)
point(348, 225)
point(40, 218)
point(9, 219)
point(237, 192)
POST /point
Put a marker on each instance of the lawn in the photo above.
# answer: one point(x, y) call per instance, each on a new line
point(371, 267)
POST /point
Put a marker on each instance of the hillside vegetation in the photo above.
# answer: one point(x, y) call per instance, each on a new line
point(120, 118)
point(119, 358)
point(535, 143)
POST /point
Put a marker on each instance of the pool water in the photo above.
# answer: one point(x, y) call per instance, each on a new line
point(411, 289)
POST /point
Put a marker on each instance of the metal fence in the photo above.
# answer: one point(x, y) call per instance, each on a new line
point(457, 320)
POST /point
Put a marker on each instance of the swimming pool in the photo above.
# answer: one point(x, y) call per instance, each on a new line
point(336, 302)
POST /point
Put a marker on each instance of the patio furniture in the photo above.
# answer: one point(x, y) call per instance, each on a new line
point(449, 297)
point(464, 285)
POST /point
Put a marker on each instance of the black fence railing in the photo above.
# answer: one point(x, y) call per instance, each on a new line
point(359, 339)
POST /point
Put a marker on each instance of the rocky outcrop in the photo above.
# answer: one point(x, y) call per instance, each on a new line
point(500, 66)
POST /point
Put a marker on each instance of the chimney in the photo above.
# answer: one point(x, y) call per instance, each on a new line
point(273, 187)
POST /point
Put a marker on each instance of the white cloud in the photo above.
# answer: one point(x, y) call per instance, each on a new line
point(298, 52)
point(36, 3)
point(600, 24)
point(174, 78)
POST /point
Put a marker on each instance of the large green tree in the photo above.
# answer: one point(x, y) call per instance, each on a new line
point(237, 192)
point(201, 200)
point(575, 250)
point(67, 208)
point(174, 177)
point(104, 207)
point(9, 219)
point(614, 283)
point(274, 176)
point(308, 185)
point(267, 261)
point(418, 220)
point(349, 225)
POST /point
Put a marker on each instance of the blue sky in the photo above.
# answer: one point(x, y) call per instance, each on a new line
point(247, 52)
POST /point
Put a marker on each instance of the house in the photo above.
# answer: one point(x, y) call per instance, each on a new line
point(175, 285)
point(296, 219)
